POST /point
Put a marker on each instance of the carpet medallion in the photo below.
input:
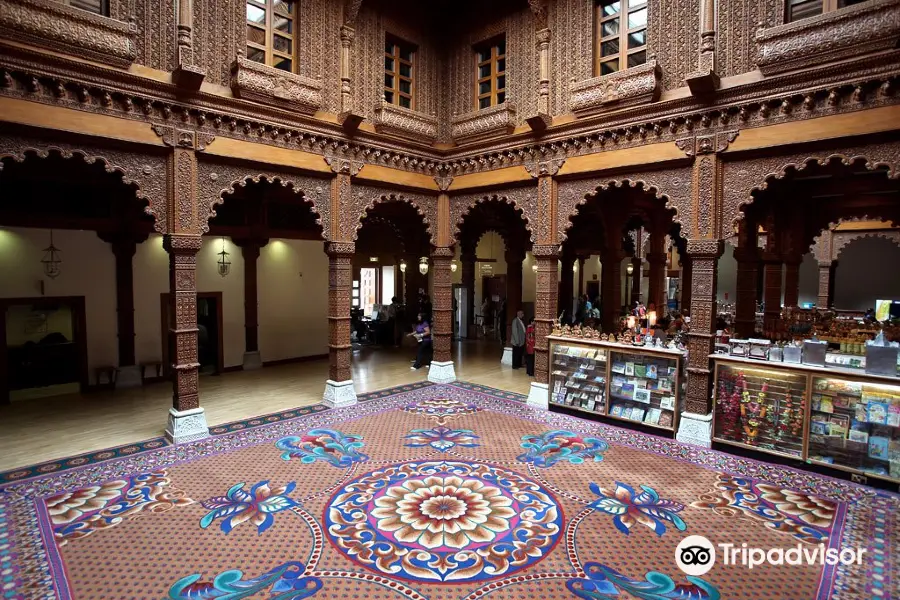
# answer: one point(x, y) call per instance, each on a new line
point(439, 492)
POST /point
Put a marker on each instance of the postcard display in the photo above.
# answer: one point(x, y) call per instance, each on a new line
point(841, 419)
point(640, 385)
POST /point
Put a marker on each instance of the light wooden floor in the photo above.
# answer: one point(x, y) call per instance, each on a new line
point(40, 430)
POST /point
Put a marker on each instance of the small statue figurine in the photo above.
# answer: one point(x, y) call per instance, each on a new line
point(566, 331)
point(556, 329)
point(604, 338)
point(753, 412)
point(612, 338)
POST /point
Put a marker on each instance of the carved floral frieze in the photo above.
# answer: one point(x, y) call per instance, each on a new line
point(69, 30)
point(268, 85)
point(636, 85)
point(837, 35)
point(404, 122)
point(483, 123)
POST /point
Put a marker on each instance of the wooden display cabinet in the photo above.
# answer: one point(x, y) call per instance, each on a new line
point(634, 384)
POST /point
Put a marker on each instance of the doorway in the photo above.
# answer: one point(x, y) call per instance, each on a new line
point(210, 347)
point(43, 347)
point(592, 289)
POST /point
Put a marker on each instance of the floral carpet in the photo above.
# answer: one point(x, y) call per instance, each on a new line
point(434, 492)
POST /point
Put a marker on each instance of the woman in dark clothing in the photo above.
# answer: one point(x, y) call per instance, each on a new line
point(529, 348)
point(422, 333)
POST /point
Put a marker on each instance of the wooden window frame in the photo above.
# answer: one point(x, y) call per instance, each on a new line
point(827, 7)
point(625, 9)
point(104, 7)
point(494, 60)
point(398, 45)
point(270, 32)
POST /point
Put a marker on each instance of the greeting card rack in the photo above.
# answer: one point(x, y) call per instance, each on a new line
point(836, 417)
point(634, 384)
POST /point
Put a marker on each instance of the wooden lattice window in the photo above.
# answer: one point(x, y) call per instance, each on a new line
point(271, 33)
point(490, 65)
point(98, 7)
point(399, 57)
point(803, 9)
point(620, 36)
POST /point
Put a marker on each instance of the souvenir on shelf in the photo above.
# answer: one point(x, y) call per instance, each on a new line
point(643, 387)
point(578, 379)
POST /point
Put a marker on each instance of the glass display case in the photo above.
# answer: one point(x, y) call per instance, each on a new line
point(826, 416)
point(760, 407)
point(644, 387)
point(636, 384)
point(578, 377)
point(855, 425)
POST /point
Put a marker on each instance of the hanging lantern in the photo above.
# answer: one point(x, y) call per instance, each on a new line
point(453, 266)
point(51, 259)
point(423, 265)
point(403, 266)
point(224, 265)
point(629, 268)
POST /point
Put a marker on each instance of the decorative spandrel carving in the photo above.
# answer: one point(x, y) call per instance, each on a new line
point(524, 200)
point(147, 172)
point(217, 180)
point(343, 165)
point(69, 30)
point(268, 85)
point(742, 178)
point(364, 197)
point(671, 185)
point(707, 144)
point(852, 31)
point(545, 167)
point(629, 87)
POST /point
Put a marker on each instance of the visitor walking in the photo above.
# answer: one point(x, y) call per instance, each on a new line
point(422, 333)
point(529, 348)
point(518, 339)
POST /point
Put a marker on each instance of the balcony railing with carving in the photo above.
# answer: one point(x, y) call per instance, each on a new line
point(260, 83)
point(845, 33)
point(483, 123)
point(397, 120)
point(636, 85)
point(69, 30)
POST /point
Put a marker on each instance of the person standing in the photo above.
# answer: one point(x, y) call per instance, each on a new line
point(422, 333)
point(529, 348)
point(518, 339)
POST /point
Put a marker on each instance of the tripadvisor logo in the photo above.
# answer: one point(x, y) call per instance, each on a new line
point(696, 555)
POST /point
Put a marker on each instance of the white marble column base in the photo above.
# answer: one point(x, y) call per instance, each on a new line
point(539, 395)
point(252, 361)
point(129, 377)
point(186, 425)
point(339, 394)
point(695, 429)
point(507, 356)
point(442, 372)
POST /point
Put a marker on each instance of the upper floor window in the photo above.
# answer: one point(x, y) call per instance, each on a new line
point(271, 27)
point(491, 72)
point(620, 35)
point(98, 7)
point(802, 9)
point(398, 72)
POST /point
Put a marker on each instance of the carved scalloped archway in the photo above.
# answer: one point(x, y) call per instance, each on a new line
point(146, 173)
point(216, 181)
point(367, 198)
point(522, 200)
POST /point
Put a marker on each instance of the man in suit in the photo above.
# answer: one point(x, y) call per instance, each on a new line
point(517, 340)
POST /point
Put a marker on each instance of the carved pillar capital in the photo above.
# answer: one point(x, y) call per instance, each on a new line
point(545, 168)
point(187, 74)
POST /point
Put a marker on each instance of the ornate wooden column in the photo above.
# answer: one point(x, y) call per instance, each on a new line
point(704, 247)
point(546, 255)
point(686, 273)
point(187, 73)
point(187, 421)
point(348, 117)
point(580, 277)
point(467, 257)
point(514, 258)
point(340, 248)
point(656, 287)
point(826, 284)
point(611, 282)
point(747, 257)
point(567, 283)
point(772, 290)
point(635, 280)
point(792, 280)
point(442, 370)
point(250, 249)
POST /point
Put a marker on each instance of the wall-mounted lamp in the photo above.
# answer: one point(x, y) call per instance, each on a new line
point(453, 266)
point(423, 265)
point(403, 266)
point(224, 265)
point(373, 259)
point(51, 259)
point(629, 268)
point(534, 267)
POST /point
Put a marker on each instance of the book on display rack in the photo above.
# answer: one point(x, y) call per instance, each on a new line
point(578, 378)
point(642, 388)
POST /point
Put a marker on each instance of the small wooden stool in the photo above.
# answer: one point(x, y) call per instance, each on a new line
point(110, 373)
point(155, 365)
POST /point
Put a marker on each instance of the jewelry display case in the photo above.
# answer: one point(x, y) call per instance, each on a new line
point(637, 384)
point(837, 417)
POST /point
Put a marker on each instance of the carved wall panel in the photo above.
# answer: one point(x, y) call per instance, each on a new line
point(671, 185)
point(219, 33)
point(522, 199)
point(156, 34)
point(571, 49)
point(147, 172)
point(673, 33)
point(736, 34)
point(218, 180)
point(320, 48)
point(742, 178)
point(365, 197)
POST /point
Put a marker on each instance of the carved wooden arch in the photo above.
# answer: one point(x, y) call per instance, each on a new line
point(523, 202)
point(842, 239)
point(146, 173)
point(217, 180)
point(365, 198)
point(571, 197)
point(742, 179)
